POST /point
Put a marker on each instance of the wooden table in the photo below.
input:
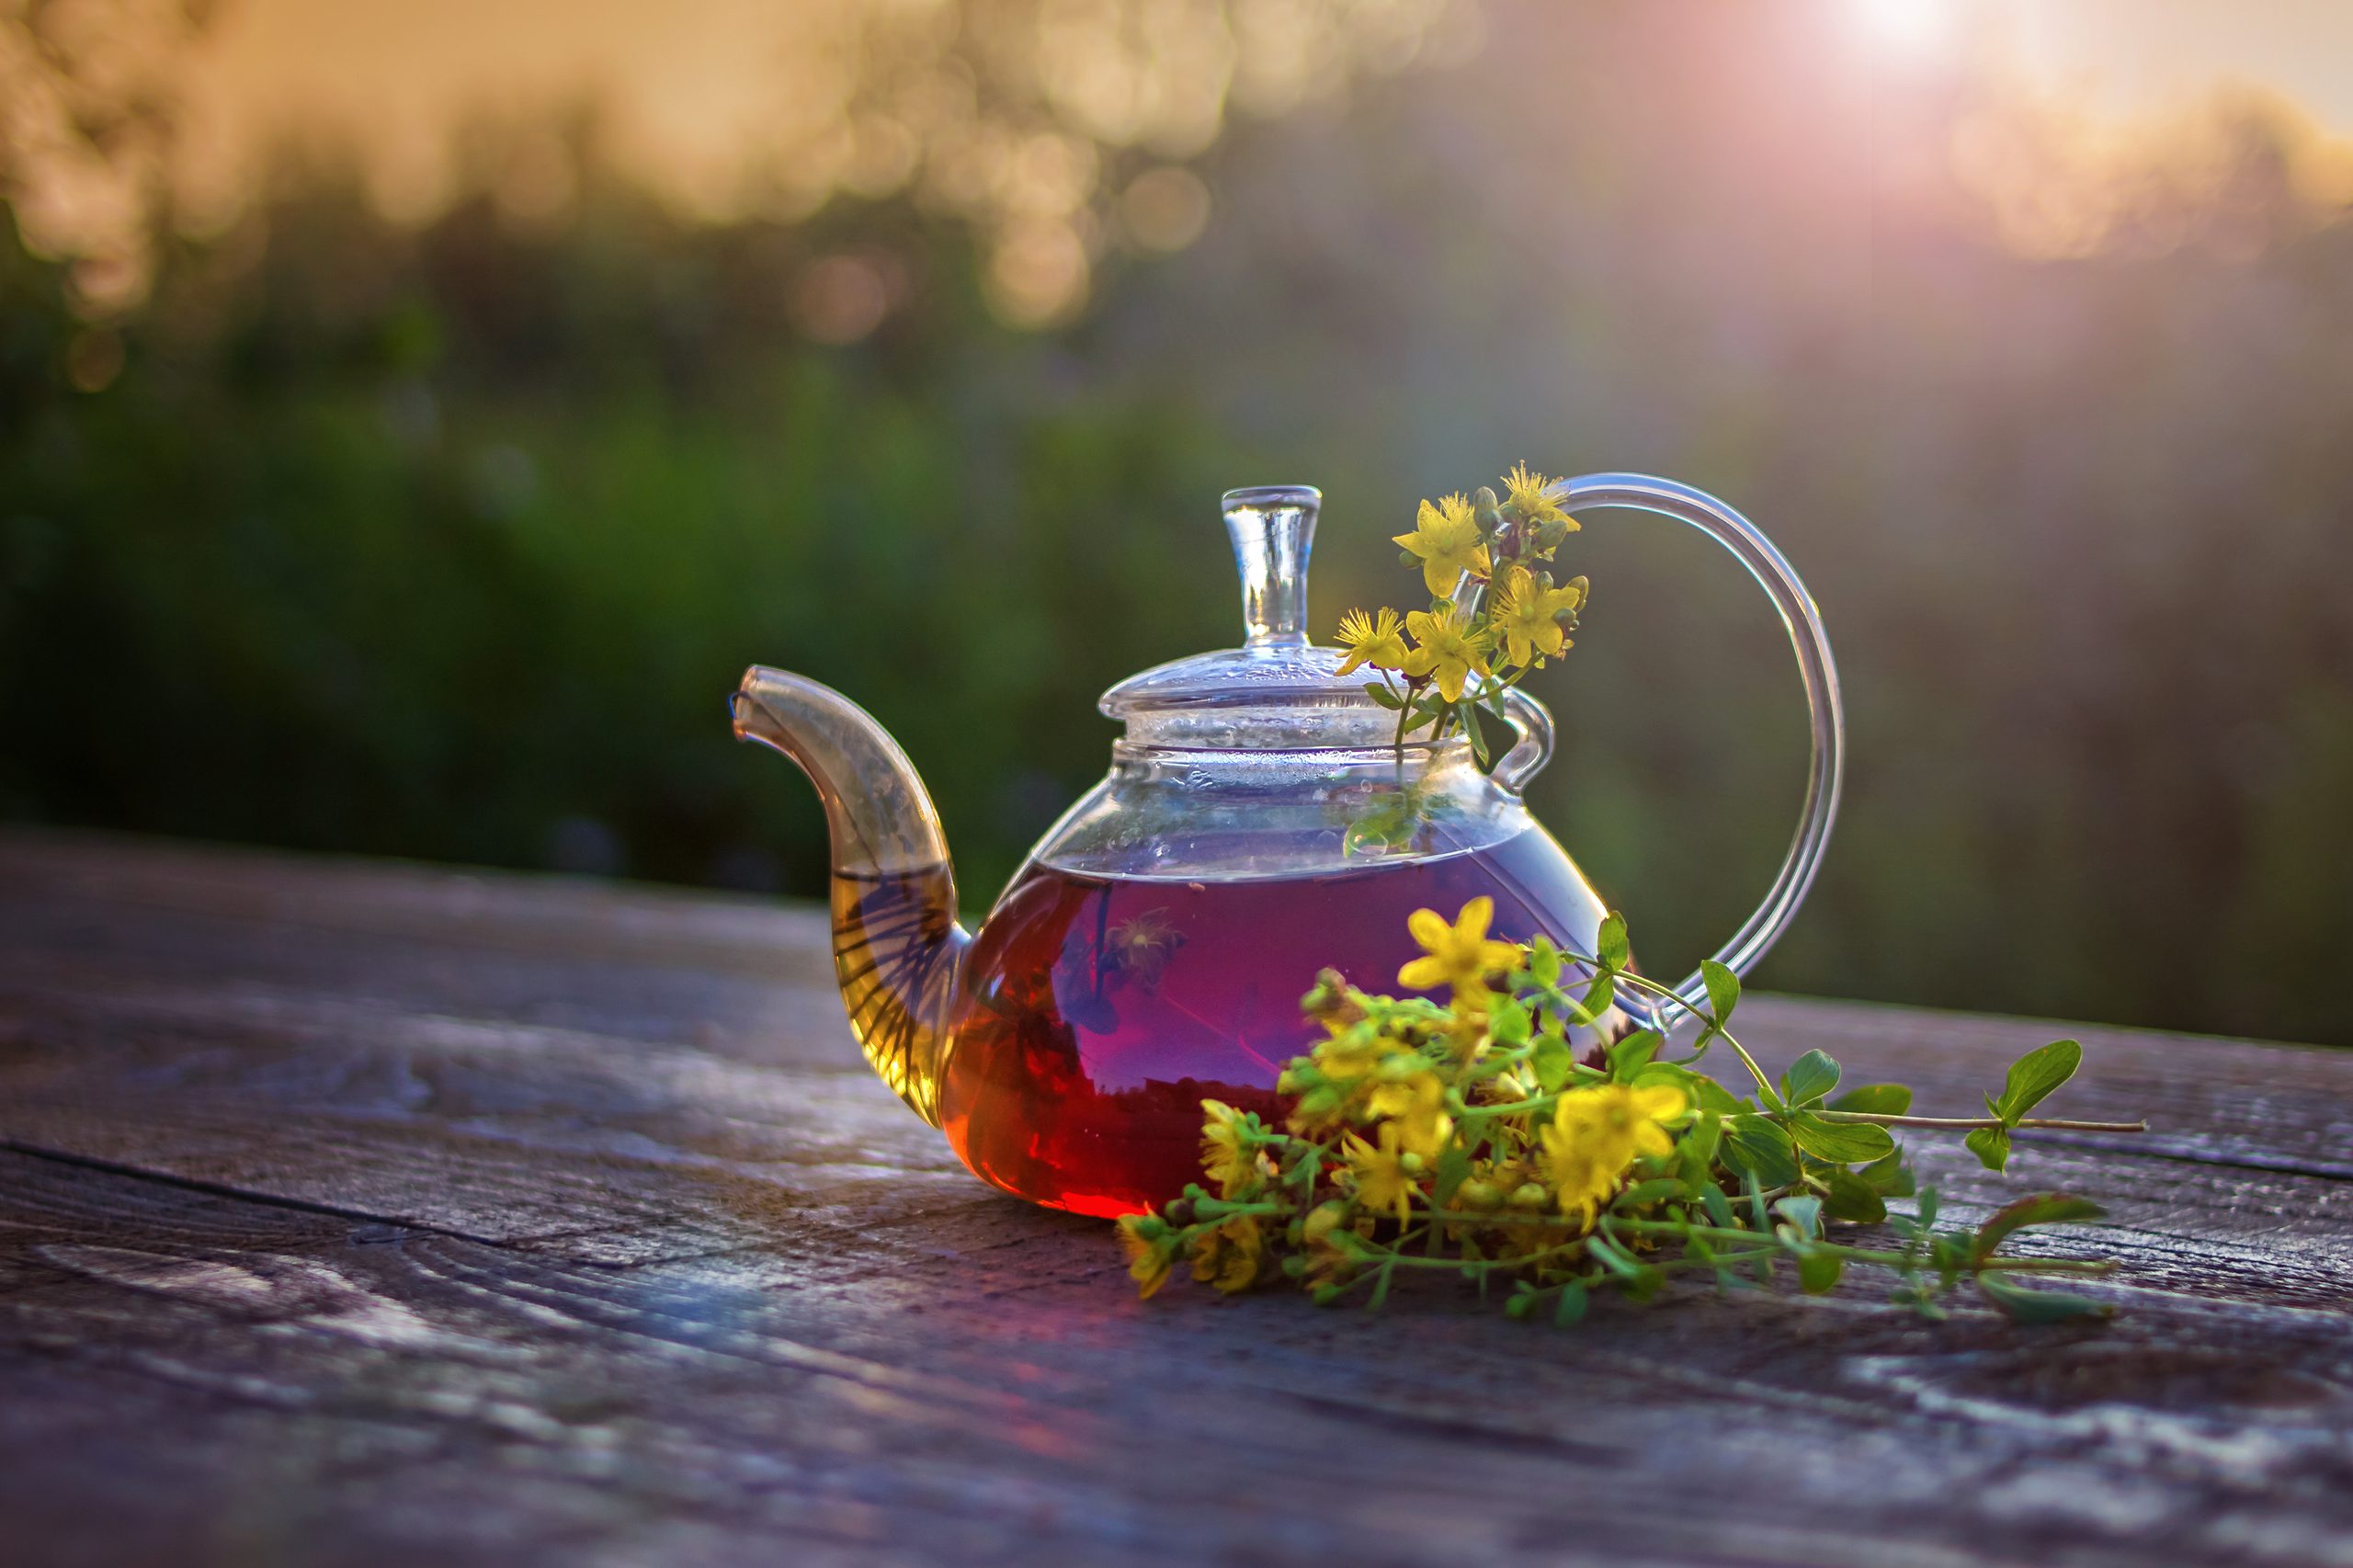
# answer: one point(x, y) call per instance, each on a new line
point(352, 1213)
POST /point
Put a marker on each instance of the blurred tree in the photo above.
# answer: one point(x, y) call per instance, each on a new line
point(86, 113)
point(1061, 127)
point(446, 539)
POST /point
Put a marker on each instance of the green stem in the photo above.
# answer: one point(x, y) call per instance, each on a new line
point(1644, 982)
point(1474, 1265)
point(1666, 994)
point(1867, 1255)
point(1509, 1107)
point(1970, 1121)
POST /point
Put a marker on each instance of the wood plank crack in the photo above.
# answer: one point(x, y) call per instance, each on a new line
point(268, 1200)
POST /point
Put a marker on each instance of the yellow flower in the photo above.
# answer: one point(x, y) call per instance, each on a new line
point(1353, 1052)
point(1372, 640)
point(1148, 1255)
point(1327, 1261)
point(1525, 494)
point(1446, 538)
point(1383, 1182)
point(1597, 1132)
point(1580, 1181)
point(1228, 1256)
point(1448, 649)
point(1417, 1104)
point(1459, 955)
point(1226, 1159)
point(1618, 1122)
point(1527, 612)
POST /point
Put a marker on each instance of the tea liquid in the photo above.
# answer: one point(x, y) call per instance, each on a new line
point(1095, 1014)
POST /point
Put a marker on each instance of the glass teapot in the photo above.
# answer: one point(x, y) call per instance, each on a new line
point(1257, 825)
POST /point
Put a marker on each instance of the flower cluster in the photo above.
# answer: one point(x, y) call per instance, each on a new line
point(1512, 1126)
point(1438, 666)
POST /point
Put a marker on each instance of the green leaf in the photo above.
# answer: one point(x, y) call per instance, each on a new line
point(1468, 713)
point(1697, 1149)
point(1889, 1175)
point(1875, 1099)
point(1382, 695)
point(1630, 1055)
point(1544, 962)
point(2033, 1076)
point(1569, 1309)
point(1453, 1166)
point(1992, 1147)
point(1708, 1094)
point(1814, 1075)
point(1761, 1149)
point(1612, 1256)
point(1818, 1272)
point(2035, 1209)
point(1610, 942)
point(2022, 1305)
point(1719, 1209)
point(1841, 1143)
point(1507, 1021)
point(1553, 1061)
point(1803, 1213)
point(1854, 1200)
point(1598, 997)
point(1641, 1279)
point(1723, 989)
point(1650, 1191)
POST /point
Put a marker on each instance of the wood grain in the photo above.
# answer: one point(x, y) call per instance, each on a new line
point(357, 1213)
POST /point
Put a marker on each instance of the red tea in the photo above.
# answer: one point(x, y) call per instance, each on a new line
point(1094, 1015)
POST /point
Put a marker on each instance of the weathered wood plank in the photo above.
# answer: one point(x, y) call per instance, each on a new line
point(980, 1401)
point(427, 1117)
point(353, 1216)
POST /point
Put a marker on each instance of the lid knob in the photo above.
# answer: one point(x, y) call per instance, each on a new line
point(1273, 526)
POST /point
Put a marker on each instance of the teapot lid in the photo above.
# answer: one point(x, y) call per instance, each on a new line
point(1277, 691)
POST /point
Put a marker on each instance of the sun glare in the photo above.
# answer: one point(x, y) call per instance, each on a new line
point(1910, 27)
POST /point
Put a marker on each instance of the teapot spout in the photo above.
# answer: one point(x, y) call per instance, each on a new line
point(896, 943)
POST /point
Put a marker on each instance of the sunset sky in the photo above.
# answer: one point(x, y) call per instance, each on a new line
point(690, 87)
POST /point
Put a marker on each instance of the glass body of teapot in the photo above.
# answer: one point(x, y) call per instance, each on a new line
point(1258, 825)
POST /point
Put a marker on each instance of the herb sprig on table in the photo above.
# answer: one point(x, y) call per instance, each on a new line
point(1464, 1134)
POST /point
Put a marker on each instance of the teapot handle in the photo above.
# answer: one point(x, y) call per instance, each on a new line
point(1815, 670)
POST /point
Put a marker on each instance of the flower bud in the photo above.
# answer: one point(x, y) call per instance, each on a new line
point(1484, 513)
point(1330, 1000)
point(1528, 1196)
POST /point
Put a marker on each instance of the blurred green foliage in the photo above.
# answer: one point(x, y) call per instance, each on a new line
point(450, 542)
